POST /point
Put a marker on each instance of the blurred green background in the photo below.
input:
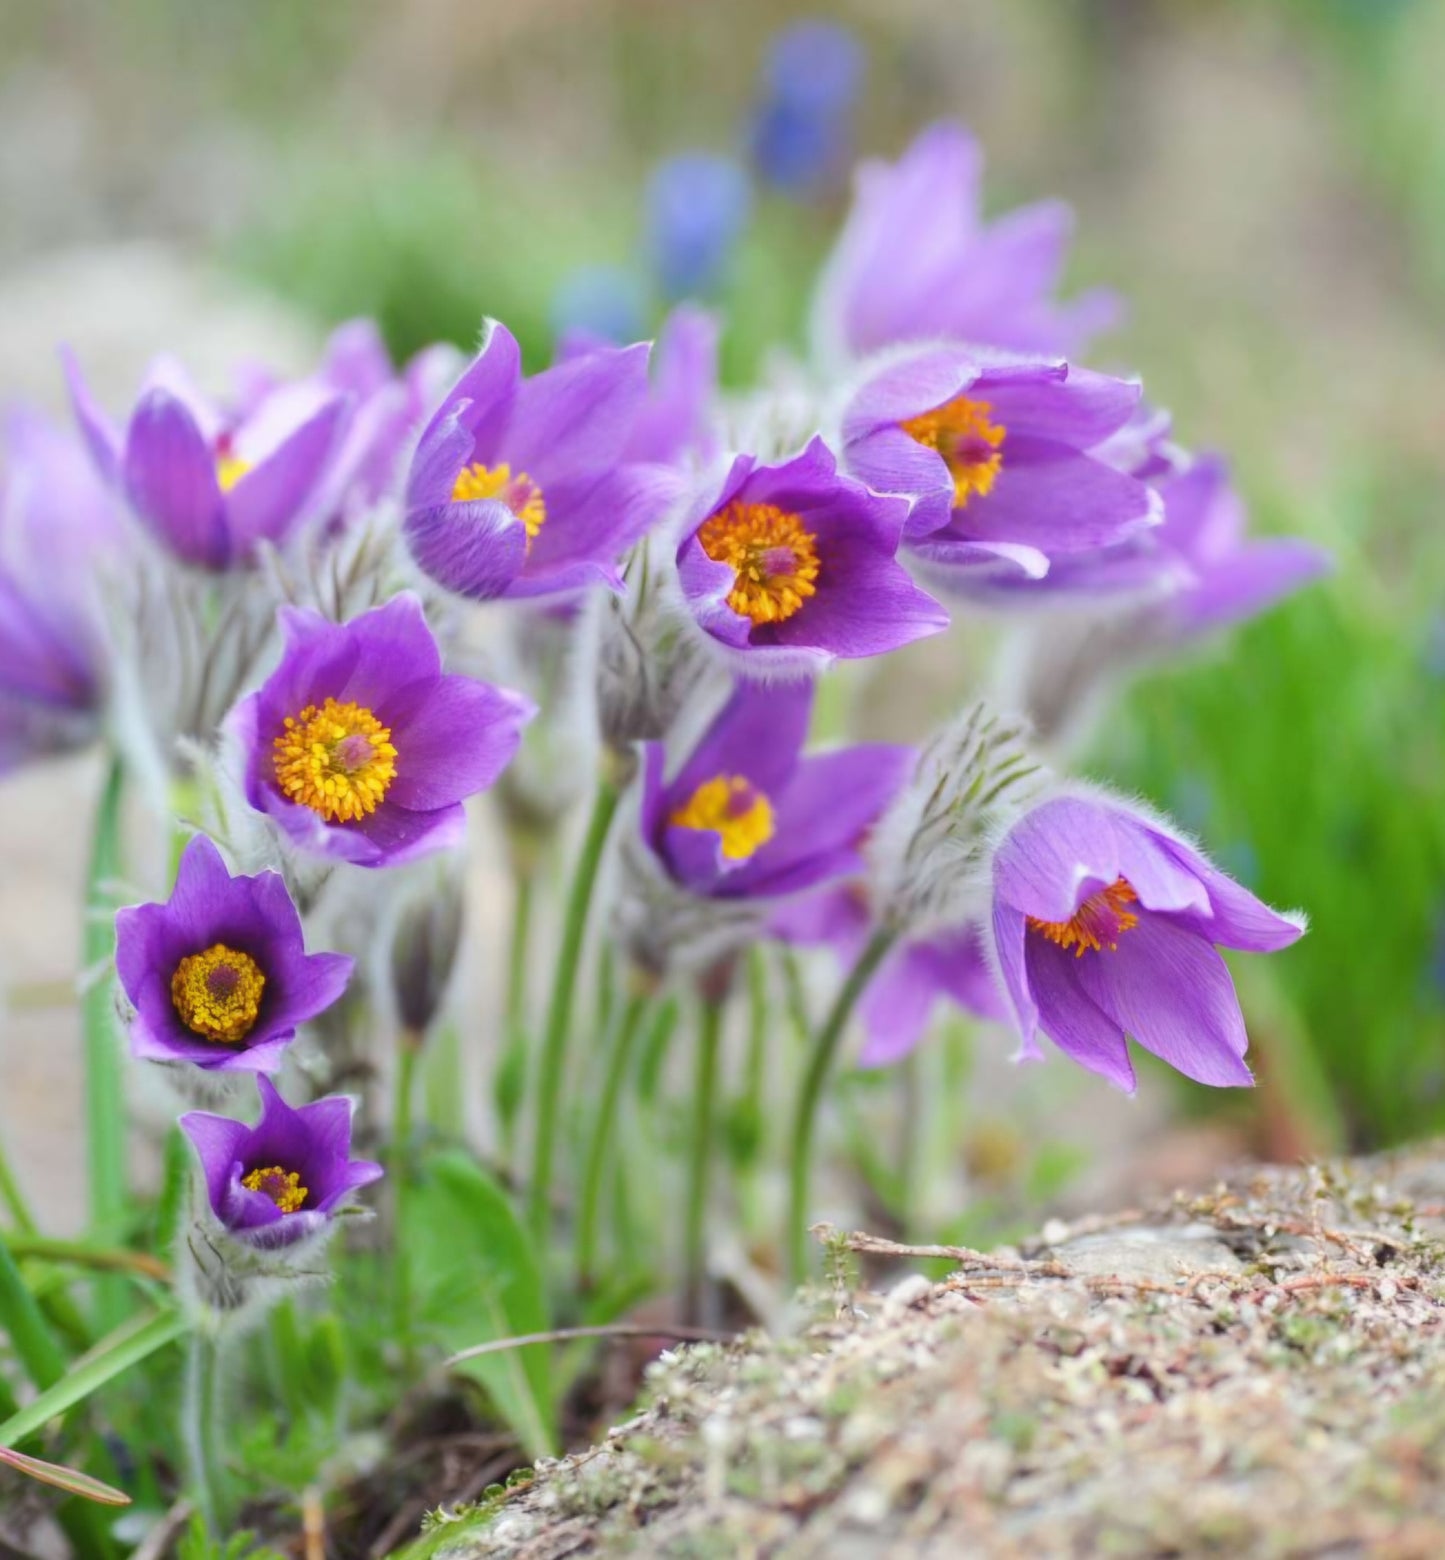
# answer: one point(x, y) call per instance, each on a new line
point(1265, 183)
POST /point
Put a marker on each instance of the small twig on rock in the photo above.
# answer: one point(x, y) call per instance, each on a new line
point(613, 1330)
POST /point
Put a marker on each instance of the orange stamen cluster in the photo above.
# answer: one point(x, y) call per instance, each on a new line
point(967, 440)
point(519, 493)
point(1097, 924)
point(732, 808)
point(336, 759)
point(283, 1187)
point(773, 556)
point(218, 993)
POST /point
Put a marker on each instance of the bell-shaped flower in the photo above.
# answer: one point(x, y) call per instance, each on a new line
point(57, 526)
point(516, 488)
point(359, 747)
point(218, 976)
point(916, 261)
point(999, 458)
point(284, 1180)
point(1106, 924)
point(212, 483)
point(792, 566)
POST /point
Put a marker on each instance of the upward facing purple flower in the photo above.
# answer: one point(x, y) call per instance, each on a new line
point(359, 747)
point(915, 262)
point(1105, 925)
point(999, 460)
point(56, 524)
point(283, 1180)
point(794, 565)
point(747, 816)
point(211, 484)
point(516, 488)
point(219, 975)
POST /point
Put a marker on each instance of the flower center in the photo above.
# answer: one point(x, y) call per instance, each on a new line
point(1097, 924)
point(336, 759)
point(283, 1187)
point(961, 432)
point(229, 471)
point(773, 555)
point(520, 494)
point(218, 993)
point(734, 809)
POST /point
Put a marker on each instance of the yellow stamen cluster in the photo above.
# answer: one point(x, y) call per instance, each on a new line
point(970, 444)
point(218, 993)
point(1097, 924)
point(520, 494)
point(229, 471)
point(773, 555)
point(733, 809)
point(283, 1187)
point(336, 759)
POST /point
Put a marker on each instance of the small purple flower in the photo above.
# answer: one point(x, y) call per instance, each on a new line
point(915, 262)
point(793, 566)
point(998, 459)
point(1105, 924)
point(516, 488)
point(57, 523)
point(283, 1180)
point(914, 976)
point(697, 208)
point(749, 817)
point(801, 132)
point(211, 484)
point(360, 748)
point(219, 975)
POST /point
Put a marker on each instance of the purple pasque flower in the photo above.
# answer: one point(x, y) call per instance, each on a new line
point(359, 747)
point(916, 974)
point(218, 975)
point(516, 488)
point(915, 262)
point(212, 484)
point(748, 816)
point(1105, 924)
point(58, 524)
point(998, 458)
point(283, 1180)
point(795, 565)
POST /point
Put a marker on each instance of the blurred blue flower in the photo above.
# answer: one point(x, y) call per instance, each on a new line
point(801, 134)
point(605, 302)
point(697, 208)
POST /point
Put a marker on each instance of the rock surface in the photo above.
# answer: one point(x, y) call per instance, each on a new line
point(1258, 1370)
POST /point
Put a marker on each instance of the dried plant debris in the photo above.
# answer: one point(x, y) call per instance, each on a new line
point(1259, 1370)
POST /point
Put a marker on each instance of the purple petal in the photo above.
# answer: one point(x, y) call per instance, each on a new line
point(476, 549)
point(463, 735)
point(1055, 857)
point(1072, 1019)
point(1239, 587)
point(577, 416)
point(268, 501)
point(170, 479)
point(102, 437)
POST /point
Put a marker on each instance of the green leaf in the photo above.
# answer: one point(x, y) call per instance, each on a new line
point(71, 1480)
point(128, 1345)
point(475, 1278)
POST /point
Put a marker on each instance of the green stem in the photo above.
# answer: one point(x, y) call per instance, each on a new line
point(509, 1081)
point(820, 1062)
point(559, 1011)
point(29, 1333)
point(617, 1065)
point(694, 1245)
point(521, 943)
point(200, 1428)
point(14, 1198)
point(406, 1062)
point(104, 1076)
point(100, 1259)
point(654, 1051)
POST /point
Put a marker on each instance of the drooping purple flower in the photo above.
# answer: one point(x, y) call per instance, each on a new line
point(999, 460)
point(748, 816)
point(218, 975)
point(57, 525)
point(915, 975)
point(1105, 924)
point(916, 262)
point(210, 483)
point(801, 131)
point(795, 565)
point(283, 1180)
point(516, 488)
point(697, 208)
point(359, 747)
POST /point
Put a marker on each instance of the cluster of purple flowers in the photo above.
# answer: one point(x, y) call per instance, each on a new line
point(943, 447)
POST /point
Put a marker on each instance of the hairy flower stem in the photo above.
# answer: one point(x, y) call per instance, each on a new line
point(104, 1076)
point(559, 1011)
point(200, 1428)
point(694, 1244)
point(407, 1054)
point(628, 1028)
point(820, 1063)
